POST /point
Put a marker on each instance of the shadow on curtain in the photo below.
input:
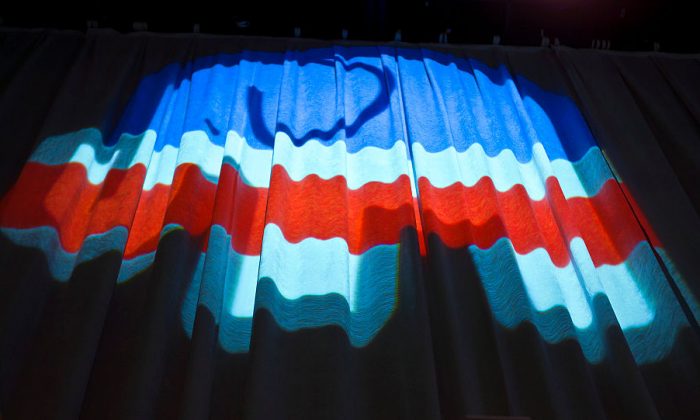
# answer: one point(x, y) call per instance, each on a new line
point(362, 231)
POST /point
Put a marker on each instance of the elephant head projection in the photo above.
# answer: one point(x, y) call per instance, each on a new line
point(304, 177)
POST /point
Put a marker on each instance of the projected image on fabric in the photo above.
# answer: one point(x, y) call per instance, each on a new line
point(303, 177)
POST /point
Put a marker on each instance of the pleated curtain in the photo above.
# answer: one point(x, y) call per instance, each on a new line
point(227, 227)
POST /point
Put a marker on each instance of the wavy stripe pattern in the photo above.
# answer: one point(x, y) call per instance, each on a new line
point(526, 287)
point(581, 178)
point(319, 208)
point(300, 207)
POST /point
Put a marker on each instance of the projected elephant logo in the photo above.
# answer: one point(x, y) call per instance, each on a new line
point(307, 186)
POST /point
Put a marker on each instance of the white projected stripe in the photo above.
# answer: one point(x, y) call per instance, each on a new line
point(370, 164)
point(468, 167)
point(572, 286)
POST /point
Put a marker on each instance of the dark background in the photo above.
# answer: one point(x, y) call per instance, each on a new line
point(627, 24)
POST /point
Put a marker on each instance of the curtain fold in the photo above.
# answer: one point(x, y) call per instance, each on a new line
point(217, 227)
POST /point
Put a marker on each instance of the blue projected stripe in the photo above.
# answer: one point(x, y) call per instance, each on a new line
point(446, 105)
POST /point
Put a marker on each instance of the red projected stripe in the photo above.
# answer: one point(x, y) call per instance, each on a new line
point(371, 215)
point(480, 215)
point(61, 197)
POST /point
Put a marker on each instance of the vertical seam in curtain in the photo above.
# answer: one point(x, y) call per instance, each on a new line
point(417, 209)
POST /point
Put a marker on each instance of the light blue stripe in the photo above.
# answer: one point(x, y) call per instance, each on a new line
point(581, 301)
point(310, 284)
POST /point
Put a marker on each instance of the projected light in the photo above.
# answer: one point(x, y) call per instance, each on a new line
point(300, 192)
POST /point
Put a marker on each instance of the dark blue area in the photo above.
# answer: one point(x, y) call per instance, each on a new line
point(365, 96)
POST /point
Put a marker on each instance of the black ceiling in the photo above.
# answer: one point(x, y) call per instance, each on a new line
point(626, 24)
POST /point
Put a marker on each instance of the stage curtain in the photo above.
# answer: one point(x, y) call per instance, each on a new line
point(227, 227)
